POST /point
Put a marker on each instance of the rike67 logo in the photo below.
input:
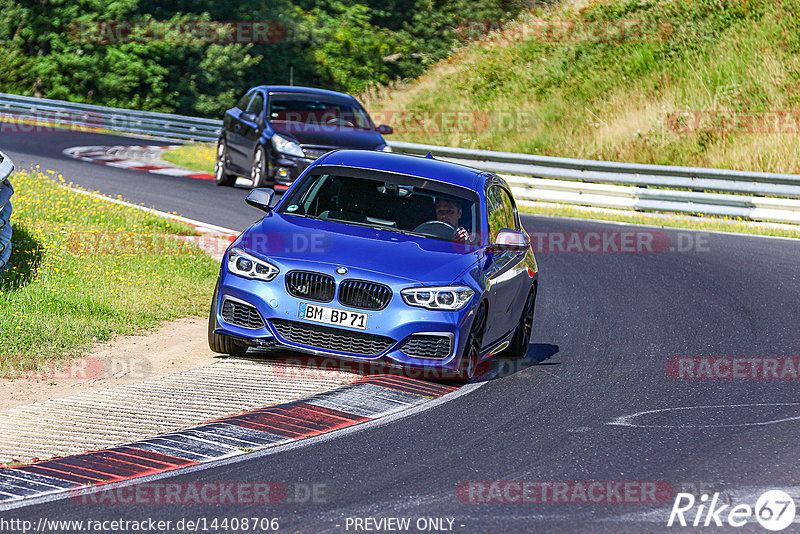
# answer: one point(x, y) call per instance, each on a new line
point(774, 510)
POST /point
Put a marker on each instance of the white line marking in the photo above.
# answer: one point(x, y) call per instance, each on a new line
point(627, 420)
point(186, 220)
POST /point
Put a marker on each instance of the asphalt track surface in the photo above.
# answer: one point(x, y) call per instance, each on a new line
point(606, 326)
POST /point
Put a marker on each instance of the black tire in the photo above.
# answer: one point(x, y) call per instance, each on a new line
point(219, 342)
point(522, 335)
point(221, 175)
point(468, 363)
point(259, 170)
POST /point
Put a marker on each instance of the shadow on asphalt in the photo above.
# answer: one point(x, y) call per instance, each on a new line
point(539, 352)
point(500, 367)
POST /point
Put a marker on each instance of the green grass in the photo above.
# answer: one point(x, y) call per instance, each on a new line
point(633, 99)
point(198, 157)
point(84, 270)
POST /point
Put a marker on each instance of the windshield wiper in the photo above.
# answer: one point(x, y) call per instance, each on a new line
point(362, 225)
point(305, 216)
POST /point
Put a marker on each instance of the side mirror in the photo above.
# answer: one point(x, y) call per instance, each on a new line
point(508, 239)
point(248, 116)
point(260, 198)
point(385, 129)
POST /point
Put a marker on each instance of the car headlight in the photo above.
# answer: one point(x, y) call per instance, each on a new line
point(438, 298)
point(286, 146)
point(243, 264)
point(383, 148)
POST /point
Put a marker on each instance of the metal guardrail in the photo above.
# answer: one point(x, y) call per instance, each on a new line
point(6, 168)
point(757, 196)
point(160, 126)
point(535, 179)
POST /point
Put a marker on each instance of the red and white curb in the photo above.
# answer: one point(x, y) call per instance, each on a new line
point(146, 158)
point(368, 399)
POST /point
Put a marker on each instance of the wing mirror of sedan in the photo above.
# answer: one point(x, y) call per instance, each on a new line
point(260, 198)
point(248, 116)
point(508, 239)
point(385, 129)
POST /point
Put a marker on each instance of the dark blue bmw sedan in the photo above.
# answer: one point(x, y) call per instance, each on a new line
point(393, 259)
point(274, 132)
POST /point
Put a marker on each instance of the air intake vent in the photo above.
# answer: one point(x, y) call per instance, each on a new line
point(364, 295)
point(310, 286)
point(241, 314)
point(435, 347)
point(336, 339)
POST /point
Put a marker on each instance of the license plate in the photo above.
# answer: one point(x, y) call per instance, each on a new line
point(332, 316)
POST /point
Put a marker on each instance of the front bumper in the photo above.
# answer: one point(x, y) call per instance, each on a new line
point(286, 169)
point(388, 336)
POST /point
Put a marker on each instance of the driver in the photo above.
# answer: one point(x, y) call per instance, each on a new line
point(448, 211)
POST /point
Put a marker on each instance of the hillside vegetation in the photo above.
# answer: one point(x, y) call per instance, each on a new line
point(703, 82)
point(197, 57)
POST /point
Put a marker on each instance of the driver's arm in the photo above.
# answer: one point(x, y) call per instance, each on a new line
point(461, 235)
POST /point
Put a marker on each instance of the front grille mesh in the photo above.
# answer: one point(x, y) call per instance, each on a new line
point(427, 346)
point(311, 286)
point(327, 338)
point(365, 295)
point(241, 314)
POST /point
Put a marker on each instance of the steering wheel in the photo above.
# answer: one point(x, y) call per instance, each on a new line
point(437, 229)
point(338, 121)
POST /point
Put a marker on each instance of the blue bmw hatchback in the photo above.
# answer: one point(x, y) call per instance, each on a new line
point(380, 257)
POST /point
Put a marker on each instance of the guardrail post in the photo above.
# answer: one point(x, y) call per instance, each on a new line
point(6, 167)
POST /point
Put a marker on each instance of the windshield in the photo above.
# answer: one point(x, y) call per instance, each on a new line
point(395, 203)
point(314, 110)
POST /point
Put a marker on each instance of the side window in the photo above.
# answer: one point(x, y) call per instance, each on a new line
point(242, 103)
point(496, 211)
point(257, 104)
point(511, 221)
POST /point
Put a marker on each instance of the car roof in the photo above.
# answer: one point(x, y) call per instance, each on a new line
point(423, 167)
point(300, 89)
